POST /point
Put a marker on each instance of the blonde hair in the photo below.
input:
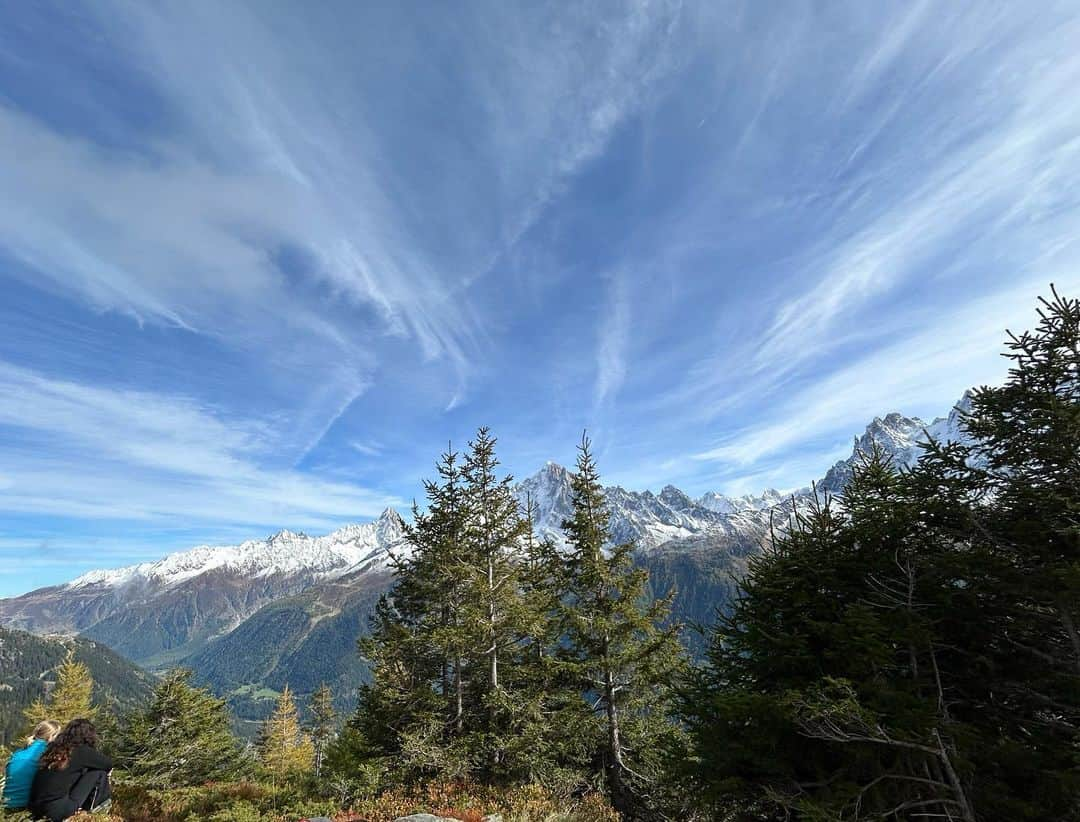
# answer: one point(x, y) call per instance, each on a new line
point(46, 730)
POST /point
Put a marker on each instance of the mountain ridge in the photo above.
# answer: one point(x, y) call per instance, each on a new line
point(265, 611)
point(283, 552)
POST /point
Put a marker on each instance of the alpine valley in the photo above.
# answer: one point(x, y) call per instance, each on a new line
point(288, 609)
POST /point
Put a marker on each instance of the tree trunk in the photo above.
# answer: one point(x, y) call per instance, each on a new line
point(459, 687)
point(620, 794)
point(494, 651)
point(954, 781)
point(493, 662)
point(445, 672)
point(1070, 629)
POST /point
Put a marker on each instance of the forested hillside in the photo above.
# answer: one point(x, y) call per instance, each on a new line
point(303, 641)
point(28, 665)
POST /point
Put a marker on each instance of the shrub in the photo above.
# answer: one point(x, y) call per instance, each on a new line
point(258, 802)
point(218, 802)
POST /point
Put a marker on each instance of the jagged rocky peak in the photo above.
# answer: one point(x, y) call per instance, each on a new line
point(548, 494)
point(676, 499)
point(285, 537)
point(718, 503)
point(390, 527)
point(642, 517)
point(551, 479)
point(955, 419)
point(721, 504)
point(901, 438)
point(769, 498)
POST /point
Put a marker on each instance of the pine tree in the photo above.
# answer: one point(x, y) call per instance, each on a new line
point(284, 749)
point(323, 724)
point(182, 738)
point(70, 698)
point(620, 649)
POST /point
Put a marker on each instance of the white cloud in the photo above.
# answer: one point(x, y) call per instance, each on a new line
point(92, 452)
point(274, 137)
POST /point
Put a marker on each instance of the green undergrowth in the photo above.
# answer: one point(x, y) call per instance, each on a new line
point(261, 802)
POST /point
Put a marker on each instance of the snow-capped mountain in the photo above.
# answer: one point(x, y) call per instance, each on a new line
point(285, 553)
point(900, 438)
point(713, 501)
point(207, 605)
point(162, 612)
point(655, 521)
point(648, 520)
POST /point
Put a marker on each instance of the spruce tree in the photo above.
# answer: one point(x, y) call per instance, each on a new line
point(551, 734)
point(414, 708)
point(460, 649)
point(323, 724)
point(1028, 445)
point(822, 696)
point(495, 614)
point(431, 589)
point(909, 651)
point(399, 714)
point(621, 650)
point(70, 698)
point(182, 738)
point(1023, 470)
point(284, 749)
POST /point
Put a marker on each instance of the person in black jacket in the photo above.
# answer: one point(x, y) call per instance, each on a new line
point(72, 775)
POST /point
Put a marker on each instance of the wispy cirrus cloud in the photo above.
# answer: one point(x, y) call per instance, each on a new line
point(613, 338)
point(276, 140)
point(89, 451)
point(368, 449)
point(259, 263)
point(1020, 145)
point(957, 352)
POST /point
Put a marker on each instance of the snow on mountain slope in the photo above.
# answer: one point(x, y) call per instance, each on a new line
point(647, 519)
point(900, 438)
point(284, 553)
point(721, 504)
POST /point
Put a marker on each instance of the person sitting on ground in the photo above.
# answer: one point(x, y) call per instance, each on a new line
point(72, 775)
point(24, 764)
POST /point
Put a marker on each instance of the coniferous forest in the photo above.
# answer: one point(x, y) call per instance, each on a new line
point(906, 650)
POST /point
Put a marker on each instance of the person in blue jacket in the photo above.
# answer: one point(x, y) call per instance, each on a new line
point(23, 765)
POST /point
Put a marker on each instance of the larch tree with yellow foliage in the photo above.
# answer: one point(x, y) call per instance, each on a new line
point(70, 698)
point(284, 749)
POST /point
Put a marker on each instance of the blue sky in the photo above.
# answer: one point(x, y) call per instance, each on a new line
point(260, 262)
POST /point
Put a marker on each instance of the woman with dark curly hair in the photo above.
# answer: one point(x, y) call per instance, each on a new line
point(72, 775)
